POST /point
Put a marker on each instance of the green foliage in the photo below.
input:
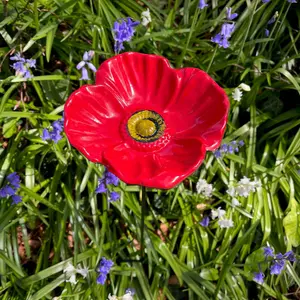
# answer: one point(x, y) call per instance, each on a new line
point(62, 220)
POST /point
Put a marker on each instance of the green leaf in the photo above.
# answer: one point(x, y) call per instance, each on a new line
point(255, 262)
point(10, 128)
point(291, 224)
point(209, 274)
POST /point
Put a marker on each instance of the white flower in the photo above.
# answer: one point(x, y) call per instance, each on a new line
point(245, 87)
point(235, 202)
point(231, 191)
point(245, 186)
point(69, 269)
point(225, 223)
point(112, 297)
point(204, 188)
point(72, 279)
point(219, 213)
point(146, 17)
point(237, 94)
point(127, 296)
point(82, 271)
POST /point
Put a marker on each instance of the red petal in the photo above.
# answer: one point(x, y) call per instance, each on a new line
point(142, 81)
point(92, 120)
point(200, 109)
point(161, 169)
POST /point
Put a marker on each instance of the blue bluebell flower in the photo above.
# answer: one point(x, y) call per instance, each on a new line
point(11, 188)
point(55, 133)
point(123, 31)
point(14, 179)
point(290, 256)
point(259, 277)
point(7, 191)
point(292, 1)
point(22, 66)
point(265, 1)
point(101, 279)
point(267, 32)
point(277, 267)
point(16, 199)
point(104, 268)
point(114, 196)
point(272, 20)
point(229, 148)
point(87, 56)
point(268, 252)
point(229, 15)
point(108, 178)
point(204, 222)
point(222, 37)
point(202, 4)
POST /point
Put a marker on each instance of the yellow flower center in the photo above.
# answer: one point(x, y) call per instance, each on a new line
point(145, 126)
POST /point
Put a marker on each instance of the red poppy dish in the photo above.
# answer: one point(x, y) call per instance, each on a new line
point(148, 123)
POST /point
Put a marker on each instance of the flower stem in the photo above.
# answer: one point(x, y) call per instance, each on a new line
point(144, 206)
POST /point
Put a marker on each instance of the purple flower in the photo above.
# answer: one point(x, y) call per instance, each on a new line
point(267, 32)
point(290, 256)
point(241, 143)
point(265, 1)
point(14, 179)
point(268, 251)
point(22, 66)
point(229, 15)
point(202, 4)
point(218, 154)
point(87, 56)
point(272, 20)
point(55, 133)
point(114, 196)
point(227, 29)
point(104, 268)
point(7, 191)
point(259, 277)
point(46, 135)
point(277, 267)
point(123, 31)
point(291, 1)
point(16, 199)
point(110, 178)
point(101, 188)
point(101, 279)
point(204, 222)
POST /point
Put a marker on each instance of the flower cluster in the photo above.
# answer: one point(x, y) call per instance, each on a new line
point(146, 17)
point(11, 188)
point(71, 272)
point(277, 263)
point(204, 188)
point(129, 293)
point(55, 133)
point(229, 148)
point(226, 30)
point(123, 32)
point(87, 56)
point(108, 178)
point(222, 220)
point(22, 66)
point(104, 268)
point(237, 93)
